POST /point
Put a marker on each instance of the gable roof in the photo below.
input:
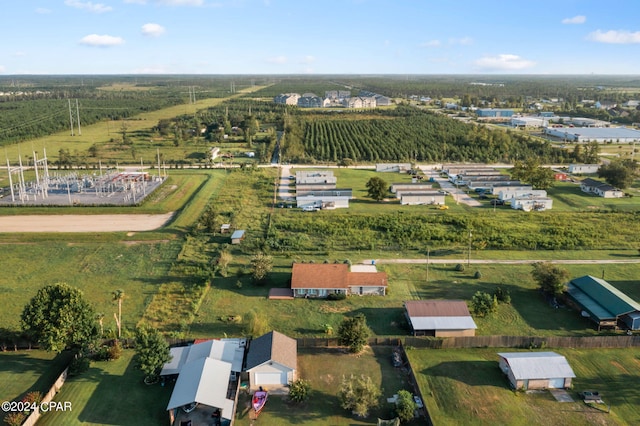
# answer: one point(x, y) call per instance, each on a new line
point(227, 350)
point(591, 183)
point(437, 308)
point(320, 275)
point(537, 365)
point(367, 279)
point(204, 381)
point(439, 315)
point(601, 299)
point(273, 346)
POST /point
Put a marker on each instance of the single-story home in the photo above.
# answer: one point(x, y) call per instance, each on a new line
point(393, 167)
point(272, 361)
point(322, 279)
point(604, 304)
point(410, 187)
point(518, 191)
point(237, 236)
point(536, 370)
point(315, 176)
point(421, 197)
point(601, 189)
point(229, 350)
point(583, 168)
point(439, 318)
point(527, 203)
point(329, 199)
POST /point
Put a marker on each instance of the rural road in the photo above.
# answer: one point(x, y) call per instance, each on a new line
point(499, 261)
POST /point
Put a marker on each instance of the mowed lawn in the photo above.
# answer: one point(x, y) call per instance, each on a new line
point(111, 393)
point(325, 368)
point(466, 386)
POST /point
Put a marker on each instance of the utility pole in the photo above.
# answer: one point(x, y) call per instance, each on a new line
point(427, 264)
point(70, 117)
point(78, 118)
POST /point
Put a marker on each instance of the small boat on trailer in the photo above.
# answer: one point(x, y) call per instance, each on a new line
point(259, 399)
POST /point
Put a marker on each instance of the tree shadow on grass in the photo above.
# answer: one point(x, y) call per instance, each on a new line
point(472, 373)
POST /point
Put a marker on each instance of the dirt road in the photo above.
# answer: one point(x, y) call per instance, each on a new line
point(84, 223)
point(499, 261)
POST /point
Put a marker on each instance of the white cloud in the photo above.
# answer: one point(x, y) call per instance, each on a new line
point(19, 54)
point(431, 43)
point(504, 62)
point(277, 59)
point(90, 6)
point(153, 30)
point(465, 41)
point(101, 40)
point(2, 68)
point(615, 37)
point(136, 1)
point(43, 11)
point(578, 19)
point(309, 59)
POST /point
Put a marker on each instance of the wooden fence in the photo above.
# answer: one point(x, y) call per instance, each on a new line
point(524, 342)
point(35, 415)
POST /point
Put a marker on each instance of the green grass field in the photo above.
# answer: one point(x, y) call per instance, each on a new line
point(325, 369)
point(111, 392)
point(467, 387)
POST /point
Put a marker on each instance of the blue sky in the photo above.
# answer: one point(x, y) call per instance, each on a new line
point(319, 37)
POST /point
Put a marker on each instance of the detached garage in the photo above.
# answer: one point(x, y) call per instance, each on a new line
point(536, 370)
point(272, 361)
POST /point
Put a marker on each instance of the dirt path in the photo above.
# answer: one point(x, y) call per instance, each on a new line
point(84, 223)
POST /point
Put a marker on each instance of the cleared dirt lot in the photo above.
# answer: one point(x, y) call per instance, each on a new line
point(84, 223)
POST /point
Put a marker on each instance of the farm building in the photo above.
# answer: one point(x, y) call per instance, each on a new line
point(315, 177)
point(439, 318)
point(529, 203)
point(601, 189)
point(509, 186)
point(225, 228)
point(536, 370)
point(408, 198)
point(237, 236)
point(410, 187)
point(393, 167)
point(604, 304)
point(306, 188)
point(330, 199)
point(583, 168)
point(322, 279)
point(272, 361)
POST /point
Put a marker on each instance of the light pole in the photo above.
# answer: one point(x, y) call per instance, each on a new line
point(469, 251)
point(427, 264)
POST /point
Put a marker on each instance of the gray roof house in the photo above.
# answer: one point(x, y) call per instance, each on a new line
point(440, 318)
point(272, 361)
point(536, 370)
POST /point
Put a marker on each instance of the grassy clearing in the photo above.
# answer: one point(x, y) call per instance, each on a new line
point(26, 371)
point(96, 268)
point(111, 393)
point(325, 369)
point(467, 387)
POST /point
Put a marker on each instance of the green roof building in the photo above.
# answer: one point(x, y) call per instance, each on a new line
point(605, 305)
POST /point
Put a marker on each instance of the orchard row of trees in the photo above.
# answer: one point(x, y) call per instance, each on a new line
point(408, 134)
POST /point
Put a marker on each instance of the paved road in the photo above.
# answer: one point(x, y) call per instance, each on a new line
point(501, 261)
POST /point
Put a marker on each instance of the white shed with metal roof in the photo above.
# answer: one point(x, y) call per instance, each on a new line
point(536, 370)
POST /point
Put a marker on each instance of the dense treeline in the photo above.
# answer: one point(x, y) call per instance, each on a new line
point(408, 134)
point(405, 230)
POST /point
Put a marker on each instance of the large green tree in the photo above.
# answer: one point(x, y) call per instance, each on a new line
point(377, 188)
point(152, 351)
point(405, 405)
point(551, 278)
point(359, 394)
point(533, 173)
point(354, 332)
point(58, 317)
point(619, 173)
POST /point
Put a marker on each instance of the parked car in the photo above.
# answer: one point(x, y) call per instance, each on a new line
point(309, 209)
point(497, 202)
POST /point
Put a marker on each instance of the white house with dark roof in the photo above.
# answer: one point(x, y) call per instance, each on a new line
point(272, 361)
point(440, 318)
point(601, 189)
point(536, 370)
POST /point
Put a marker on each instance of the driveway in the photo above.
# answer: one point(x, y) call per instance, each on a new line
point(459, 196)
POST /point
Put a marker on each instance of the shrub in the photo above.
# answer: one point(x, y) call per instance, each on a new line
point(15, 418)
point(336, 296)
point(477, 275)
point(114, 351)
point(459, 267)
point(483, 303)
point(503, 296)
point(79, 365)
point(299, 390)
